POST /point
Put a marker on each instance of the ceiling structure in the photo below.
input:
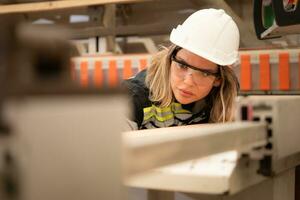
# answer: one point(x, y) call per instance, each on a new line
point(151, 18)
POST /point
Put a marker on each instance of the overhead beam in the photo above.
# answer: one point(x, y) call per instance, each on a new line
point(56, 5)
point(124, 30)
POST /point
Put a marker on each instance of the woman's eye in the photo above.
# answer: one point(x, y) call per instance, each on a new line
point(182, 66)
point(205, 74)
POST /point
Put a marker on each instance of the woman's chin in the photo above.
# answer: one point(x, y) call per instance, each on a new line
point(184, 100)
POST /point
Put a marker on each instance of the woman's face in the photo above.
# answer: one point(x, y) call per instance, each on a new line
point(192, 77)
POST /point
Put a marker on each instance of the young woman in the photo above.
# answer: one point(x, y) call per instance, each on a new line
point(191, 81)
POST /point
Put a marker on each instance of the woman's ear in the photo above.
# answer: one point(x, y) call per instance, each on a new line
point(217, 82)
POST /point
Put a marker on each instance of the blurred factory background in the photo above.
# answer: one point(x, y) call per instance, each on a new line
point(138, 26)
point(114, 41)
point(44, 149)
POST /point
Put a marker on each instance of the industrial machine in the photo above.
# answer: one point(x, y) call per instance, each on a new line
point(273, 18)
point(256, 155)
point(253, 158)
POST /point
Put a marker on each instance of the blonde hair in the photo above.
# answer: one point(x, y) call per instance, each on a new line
point(221, 98)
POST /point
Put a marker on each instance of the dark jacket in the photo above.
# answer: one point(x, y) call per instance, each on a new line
point(148, 114)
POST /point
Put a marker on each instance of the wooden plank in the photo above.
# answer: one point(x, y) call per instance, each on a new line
point(210, 175)
point(58, 127)
point(56, 5)
point(147, 149)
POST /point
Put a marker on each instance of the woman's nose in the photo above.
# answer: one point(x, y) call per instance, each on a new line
point(188, 78)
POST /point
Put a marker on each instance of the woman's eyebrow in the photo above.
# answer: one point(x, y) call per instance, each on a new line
point(184, 62)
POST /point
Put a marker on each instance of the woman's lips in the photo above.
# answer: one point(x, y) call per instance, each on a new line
point(185, 93)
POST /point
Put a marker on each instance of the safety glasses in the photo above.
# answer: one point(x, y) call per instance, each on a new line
point(182, 68)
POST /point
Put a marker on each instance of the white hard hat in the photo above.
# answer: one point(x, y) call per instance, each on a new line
point(211, 34)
